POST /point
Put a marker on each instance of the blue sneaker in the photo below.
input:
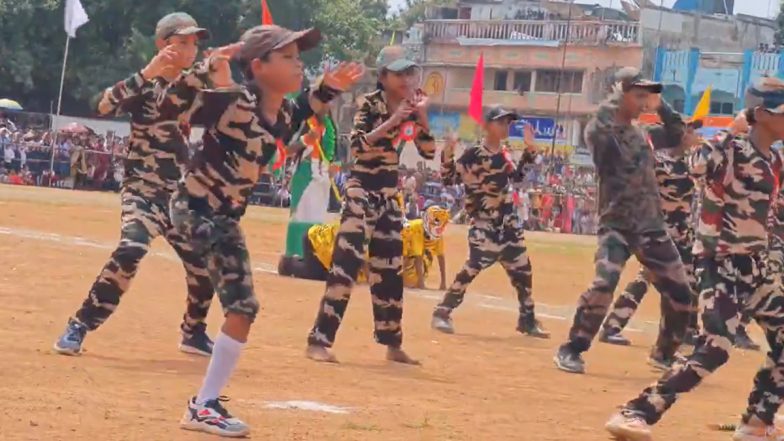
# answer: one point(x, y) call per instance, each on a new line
point(70, 343)
point(212, 417)
point(198, 343)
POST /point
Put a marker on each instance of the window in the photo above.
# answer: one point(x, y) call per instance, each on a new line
point(522, 81)
point(501, 80)
point(461, 78)
point(715, 107)
point(571, 81)
point(722, 108)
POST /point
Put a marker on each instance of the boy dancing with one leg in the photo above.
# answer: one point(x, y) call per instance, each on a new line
point(395, 111)
point(742, 174)
point(631, 220)
point(496, 233)
point(156, 155)
point(242, 127)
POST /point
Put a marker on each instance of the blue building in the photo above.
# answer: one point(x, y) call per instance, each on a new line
point(687, 73)
point(706, 6)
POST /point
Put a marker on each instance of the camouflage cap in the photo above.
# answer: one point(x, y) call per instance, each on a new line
point(768, 93)
point(261, 40)
point(631, 77)
point(179, 23)
point(496, 113)
point(393, 58)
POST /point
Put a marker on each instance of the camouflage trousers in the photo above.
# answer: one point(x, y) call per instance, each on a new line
point(727, 284)
point(142, 221)
point(627, 303)
point(378, 217)
point(220, 243)
point(486, 246)
point(656, 252)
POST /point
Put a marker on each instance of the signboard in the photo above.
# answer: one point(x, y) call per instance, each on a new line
point(545, 128)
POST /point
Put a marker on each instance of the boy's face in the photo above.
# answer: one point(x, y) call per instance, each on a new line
point(282, 71)
point(498, 129)
point(187, 47)
point(770, 122)
point(636, 101)
point(404, 83)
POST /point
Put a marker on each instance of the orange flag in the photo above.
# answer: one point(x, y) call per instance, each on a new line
point(266, 15)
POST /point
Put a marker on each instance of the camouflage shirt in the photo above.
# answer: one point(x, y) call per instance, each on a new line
point(488, 178)
point(238, 140)
point(623, 155)
point(740, 188)
point(676, 191)
point(375, 167)
point(157, 151)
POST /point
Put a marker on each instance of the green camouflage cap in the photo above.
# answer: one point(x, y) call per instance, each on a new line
point(393, 58)
point(496, 113)
point(261, 40)
point(179, 23)
point(768, 93)
point(631, 77)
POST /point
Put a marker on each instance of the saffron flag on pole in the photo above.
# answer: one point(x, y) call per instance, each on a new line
point(266, 15)
point(75, 17)
point(703, 107)
point(475, 104)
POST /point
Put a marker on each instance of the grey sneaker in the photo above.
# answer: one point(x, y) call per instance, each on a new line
point(70, 342)
point(569, 361)
point(614, 339)
point(443, 323)
point(744, 341)
point(212, 417)
point(199, 343)
point(528, 325)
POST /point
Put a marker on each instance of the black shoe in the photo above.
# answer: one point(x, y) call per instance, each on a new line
point(744, 341)
point(284, 266)
point(665, 364)
point(614, 338)
point(569, 361)
point(198, 343)
point(528, 325)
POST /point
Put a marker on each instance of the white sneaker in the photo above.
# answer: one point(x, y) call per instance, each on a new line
point(749, 432)
point(212, 417)
point(629, 427)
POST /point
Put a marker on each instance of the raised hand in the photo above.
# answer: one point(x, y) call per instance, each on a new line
point(345, 76)
point(220, 69)
point(450, 142)
point(404, 109)
point(420, 105)
point(165, 61)
point(529, 136)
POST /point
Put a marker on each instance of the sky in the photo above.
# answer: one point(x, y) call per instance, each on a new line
point(760, 8)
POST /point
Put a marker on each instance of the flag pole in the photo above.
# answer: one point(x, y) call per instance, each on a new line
point(59, 101)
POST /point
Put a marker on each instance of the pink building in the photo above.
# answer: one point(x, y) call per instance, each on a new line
point(528, 65)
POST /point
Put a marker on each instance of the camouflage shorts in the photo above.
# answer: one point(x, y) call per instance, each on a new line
point(220, 240)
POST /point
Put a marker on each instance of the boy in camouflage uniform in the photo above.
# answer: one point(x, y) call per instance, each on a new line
point(156, 154)
point(243, 126)
point(496, 232)
point(396, 111)
point(631, 220)
point(742, 174)
point(676, 191)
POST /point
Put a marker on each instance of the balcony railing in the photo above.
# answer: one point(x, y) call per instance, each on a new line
point(577, 32)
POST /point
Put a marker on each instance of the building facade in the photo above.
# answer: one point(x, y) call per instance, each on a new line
point(549, 61)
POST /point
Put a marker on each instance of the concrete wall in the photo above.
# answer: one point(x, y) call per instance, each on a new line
point(684, 30)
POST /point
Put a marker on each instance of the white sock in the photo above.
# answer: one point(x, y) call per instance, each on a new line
point(225, 354)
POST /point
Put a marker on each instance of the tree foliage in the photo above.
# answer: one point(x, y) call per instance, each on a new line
point(779, 37)
point(119, 40)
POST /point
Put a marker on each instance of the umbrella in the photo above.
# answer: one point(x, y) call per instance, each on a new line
point(8, 104)
point(75, 128)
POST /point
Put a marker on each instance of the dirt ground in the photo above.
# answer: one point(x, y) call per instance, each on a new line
point(484, 383)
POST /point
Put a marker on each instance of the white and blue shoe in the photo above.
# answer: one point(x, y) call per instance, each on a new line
point(70, 343)
point(212, 417)
point(199, 343)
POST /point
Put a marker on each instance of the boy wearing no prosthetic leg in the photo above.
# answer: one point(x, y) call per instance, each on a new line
point(396, 110)
point(496, 232)
point(242, 127)
point(156, 155)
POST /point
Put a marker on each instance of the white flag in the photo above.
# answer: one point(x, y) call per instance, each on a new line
point(75, 17)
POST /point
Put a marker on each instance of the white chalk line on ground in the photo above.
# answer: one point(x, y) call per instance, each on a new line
point(554, 312)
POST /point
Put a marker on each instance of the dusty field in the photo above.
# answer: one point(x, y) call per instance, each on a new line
point(486, 383)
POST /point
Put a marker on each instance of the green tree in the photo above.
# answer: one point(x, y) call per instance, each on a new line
point(779, 37)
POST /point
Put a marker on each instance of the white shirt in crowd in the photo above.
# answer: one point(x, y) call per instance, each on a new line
point(8, 154)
